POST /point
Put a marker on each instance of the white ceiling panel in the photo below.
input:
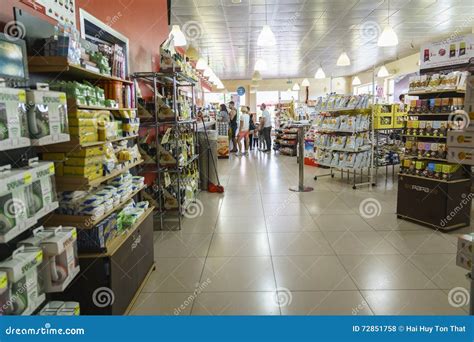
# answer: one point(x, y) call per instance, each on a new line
point(309, 32)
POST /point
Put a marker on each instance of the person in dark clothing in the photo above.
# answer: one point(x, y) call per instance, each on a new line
point(233, 125)
point(252, 129)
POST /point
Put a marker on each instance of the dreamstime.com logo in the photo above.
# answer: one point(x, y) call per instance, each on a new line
point(190, 299)
point(14, 208)
point(194, 209)
point(369, 31)
point(370, 208)
point(193, 30)
point(459, 120)
point(458, 297)
point(103, 297)
point(283, 297)
point(46, 330)
point(14, 30)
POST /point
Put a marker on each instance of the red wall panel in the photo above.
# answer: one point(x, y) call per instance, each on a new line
point(143, 22)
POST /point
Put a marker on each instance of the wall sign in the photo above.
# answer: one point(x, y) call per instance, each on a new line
point(452, 51)
point(64, 11)
point(240, 91)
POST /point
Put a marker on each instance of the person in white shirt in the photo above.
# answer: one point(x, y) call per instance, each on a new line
point(266, 127)
point(244, 131)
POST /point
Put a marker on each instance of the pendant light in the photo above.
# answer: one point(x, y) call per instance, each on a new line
point(296, 87)
point(319, 75)
point(388, 36)
point(266, 37)
point(343, 60)
point(178, 37)
point(201, 64)
point(356, 81)
point(305, 83)
point(260, 65)
point(383, 72)
point(256, 76)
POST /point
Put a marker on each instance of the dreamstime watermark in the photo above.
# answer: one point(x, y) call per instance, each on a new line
point(17, 303)
point(283, 297)
point(189, 300)
point(103, 297)
point(459, 120)
point(193, 30)
point(14, 208)
point(14, 30)
point(370, 208)
point(194, 209)
point(370, 31)
point(466, 201)
point(458, 297)
point(466, 23)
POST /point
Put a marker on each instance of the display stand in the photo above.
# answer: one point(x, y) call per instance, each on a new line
point(301, 187)
point(171, 189)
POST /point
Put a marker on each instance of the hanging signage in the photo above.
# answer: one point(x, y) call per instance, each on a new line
point(240, 91)
point(452, 51)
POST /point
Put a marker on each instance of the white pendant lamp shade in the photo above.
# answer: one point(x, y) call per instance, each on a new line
point(266, 37)
point(319, 75)
point(256, 76)
point(220, 85)
point(178, 37)
point(260, 65)
point(383, 72)
point(388, 37)
point(305, 83)
point(296, 87)
point(356, 81)
point(201, 64)
point(343, 60)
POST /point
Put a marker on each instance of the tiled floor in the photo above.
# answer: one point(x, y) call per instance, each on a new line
point(259, 249)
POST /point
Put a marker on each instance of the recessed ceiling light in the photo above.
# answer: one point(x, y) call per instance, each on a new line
point(236, 2)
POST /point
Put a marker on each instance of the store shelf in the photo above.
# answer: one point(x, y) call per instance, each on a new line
point(54, 64)
point(425, 158)
point(97, 107)
point(435, 180)
point(87, 221)
point(423, 136)
point(338, 131)
point(74, 144)
point(115, 244)
point(439, 91)
point(181, 79)
point(173, 169)
point(73, 183)
point(343, 110)
point(367, 148)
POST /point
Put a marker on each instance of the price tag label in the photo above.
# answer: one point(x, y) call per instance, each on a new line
point(167, 179)
point(27, 178)
point(166, 137)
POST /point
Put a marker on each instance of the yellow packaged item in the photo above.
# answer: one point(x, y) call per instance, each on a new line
point(75, 113)
point(84, 161)
point(82, 170)
point(78, 131)
point(88, 152)
point(74, 122)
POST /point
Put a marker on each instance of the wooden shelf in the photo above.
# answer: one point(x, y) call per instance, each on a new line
point(434, 179)
point(72, 105)
point(73, 183)
point(55, 64)
point(117, 242)
point(74, 145)
point(439, 91)
point(424, 136)
point(425, 158)
point(86, 221)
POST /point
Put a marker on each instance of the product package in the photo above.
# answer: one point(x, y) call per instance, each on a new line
point(47, 117)
point(464, 252)
point(5, 300)
point(60, 258)
point(22, 272)
point(13, 123)
point(58, 308)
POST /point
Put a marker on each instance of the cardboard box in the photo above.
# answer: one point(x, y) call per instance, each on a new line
point(461, 139)
point(13, 119)
point(461, 155)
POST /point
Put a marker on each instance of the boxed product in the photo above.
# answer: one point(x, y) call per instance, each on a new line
point(58, 308)
point(16, 202)
point(461, 139)
point(60, 258)
point(47, 117)
point(5, 300)
point(13, 123)
point(95, 239)
point(22, 272)
point(465, 250)
point(43, 187)
point(90, 172)
point(461, 155)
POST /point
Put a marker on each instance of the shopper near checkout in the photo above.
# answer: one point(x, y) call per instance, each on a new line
point(223, 114)
point(252, 129)
point(233, 125)
point(244, 128)
point(266, 127)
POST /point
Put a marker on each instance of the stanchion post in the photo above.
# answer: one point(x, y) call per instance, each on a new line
point(301, 187)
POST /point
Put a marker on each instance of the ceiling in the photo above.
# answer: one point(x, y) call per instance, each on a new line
point(310, 32)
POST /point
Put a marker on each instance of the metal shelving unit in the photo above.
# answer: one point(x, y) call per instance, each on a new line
point(161, 83)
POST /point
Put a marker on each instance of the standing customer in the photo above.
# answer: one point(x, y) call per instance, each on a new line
point(233, 125)
point(223, 115)
point(244, 131)
point(266, 127)
point(252, 129)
